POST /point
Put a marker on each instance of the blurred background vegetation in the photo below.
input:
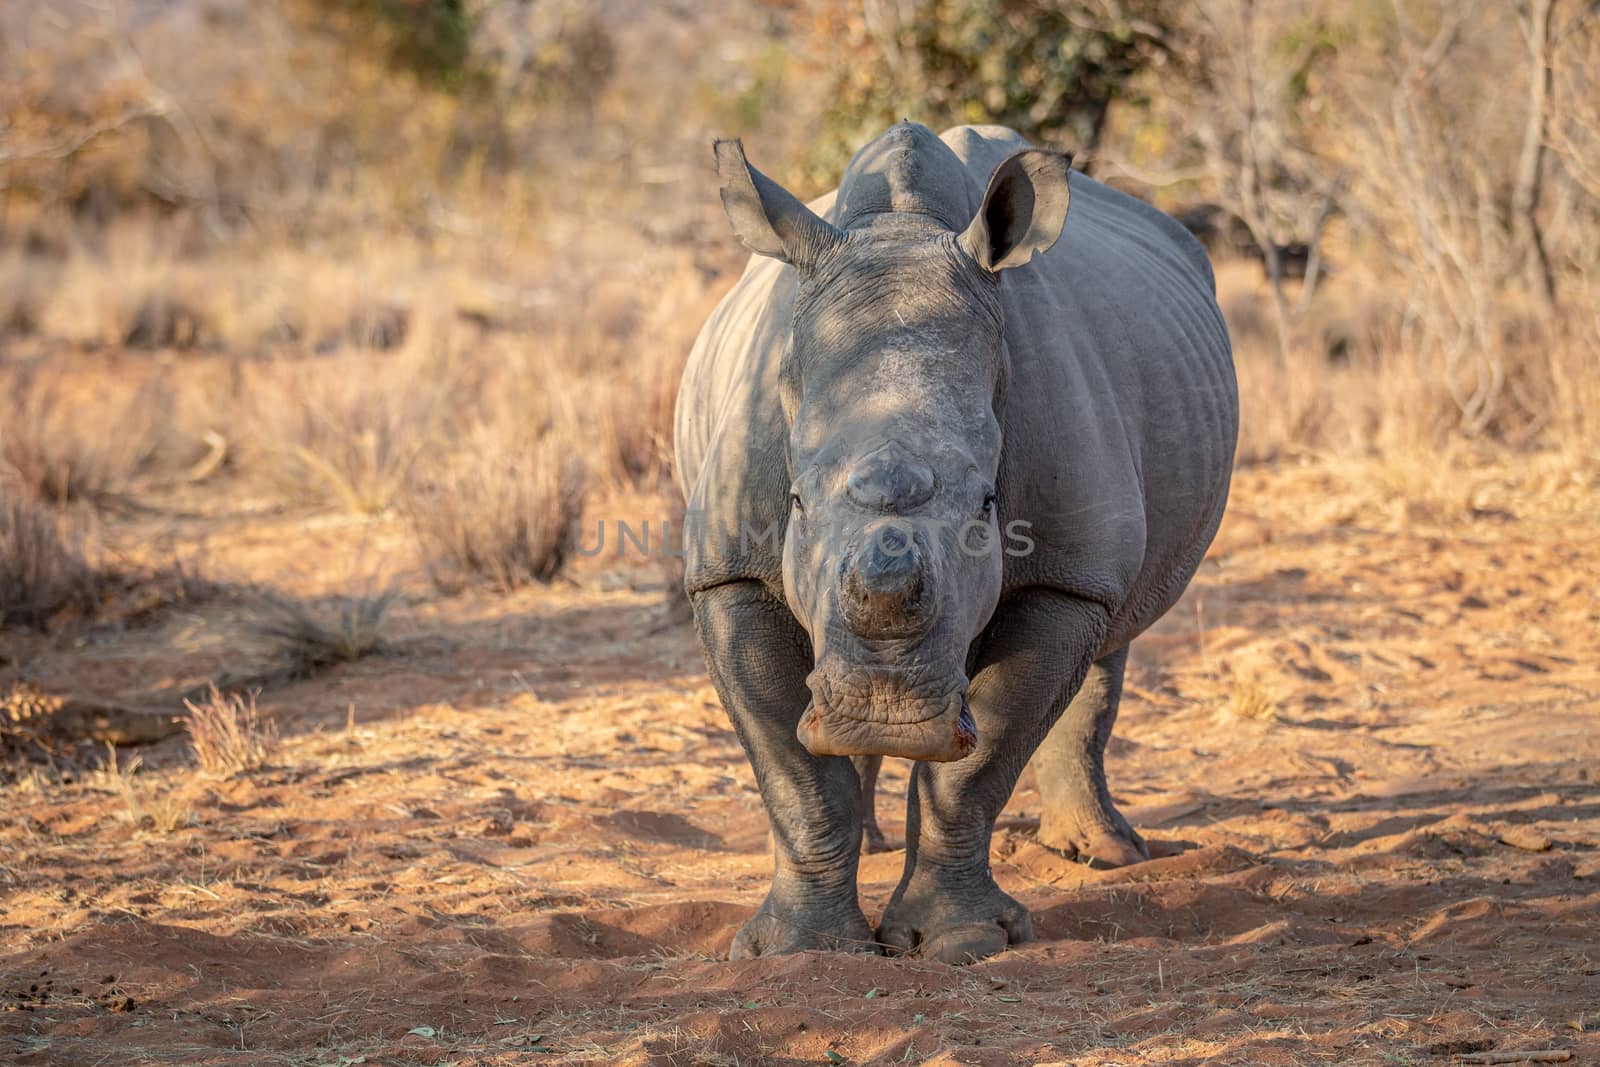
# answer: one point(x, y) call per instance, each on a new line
point(358, 251)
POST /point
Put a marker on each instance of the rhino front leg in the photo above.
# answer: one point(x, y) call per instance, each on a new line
point(1079, 818)
point(1034, 657)
point(759, 657)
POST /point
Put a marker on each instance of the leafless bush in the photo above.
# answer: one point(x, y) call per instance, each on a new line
point(40, 576)
point(227, 733)
point(503, 509)
point(1575, 108)
point(307, 638)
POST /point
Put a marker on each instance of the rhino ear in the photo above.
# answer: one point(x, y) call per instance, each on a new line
point(766, 216)
point(1023, 210)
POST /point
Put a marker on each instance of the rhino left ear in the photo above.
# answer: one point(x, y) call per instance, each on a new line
point(766, 216)
point(1023, 210)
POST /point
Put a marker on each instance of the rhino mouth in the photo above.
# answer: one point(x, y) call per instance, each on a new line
point(876, 714)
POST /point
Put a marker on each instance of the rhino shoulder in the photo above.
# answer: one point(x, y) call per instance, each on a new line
point(730, 434)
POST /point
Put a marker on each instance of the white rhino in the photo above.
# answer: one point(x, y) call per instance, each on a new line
point(948, 448)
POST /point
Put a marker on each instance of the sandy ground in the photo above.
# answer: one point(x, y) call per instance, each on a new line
point(525, 832)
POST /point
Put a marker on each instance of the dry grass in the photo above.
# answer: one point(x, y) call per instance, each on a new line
point(123, 285)
point(1251, 700)
point(227, 733)
point(307, 638)
point(345, 429)
point(133, 283)
point(640, 393)
point(40, 576)
point(66, 439)
point(1572, 370)
point(503, 510)
point(142, 806)
point(637, 423)
point(1358, 389)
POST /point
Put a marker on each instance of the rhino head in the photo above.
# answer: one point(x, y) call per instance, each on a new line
point(893, 385)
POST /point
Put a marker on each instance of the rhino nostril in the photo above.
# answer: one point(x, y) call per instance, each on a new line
point(889, 568)
point(885, 571)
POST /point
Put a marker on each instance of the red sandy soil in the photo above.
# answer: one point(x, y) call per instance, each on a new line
point(526, 834)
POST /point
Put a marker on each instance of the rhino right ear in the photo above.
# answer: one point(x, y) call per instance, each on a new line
point(766, 216)
point(1023, 210)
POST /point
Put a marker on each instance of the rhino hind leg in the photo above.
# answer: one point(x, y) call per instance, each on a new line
point(759, 656)
point(948, 906)
point(1079, 818)
point(873, 838)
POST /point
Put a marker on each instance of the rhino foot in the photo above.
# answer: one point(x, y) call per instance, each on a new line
point(875, 840)
point(1102, 839)
point(954, 924)
point(774, 931)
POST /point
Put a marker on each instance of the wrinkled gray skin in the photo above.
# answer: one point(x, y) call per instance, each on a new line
point(959, 339)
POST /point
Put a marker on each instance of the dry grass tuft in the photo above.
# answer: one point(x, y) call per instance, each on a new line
point(40, 576)
point(1251, 700)
point(308, 639)
point(228, 735)
point(504, 512)
point(163, 812)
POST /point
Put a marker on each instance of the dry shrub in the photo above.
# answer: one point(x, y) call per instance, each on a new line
point(40, 576)
point(307, 638)
point(502, 509)
point(1301, 404)
point(150, 282)
point(1362, 385)
point(273, 293)
point(67, 439)
point(227, 733)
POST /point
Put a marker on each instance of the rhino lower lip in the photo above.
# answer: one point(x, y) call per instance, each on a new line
point(946, 733)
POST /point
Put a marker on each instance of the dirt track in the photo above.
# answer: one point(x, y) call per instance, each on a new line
point(540, 834)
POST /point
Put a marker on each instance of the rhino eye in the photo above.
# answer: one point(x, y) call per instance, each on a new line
point(988, 505)
point(794, 502)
